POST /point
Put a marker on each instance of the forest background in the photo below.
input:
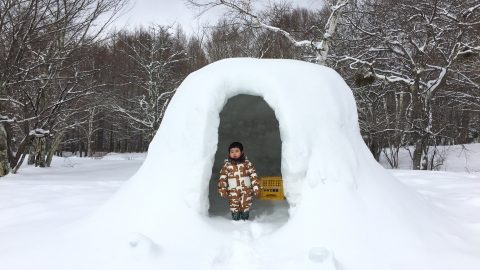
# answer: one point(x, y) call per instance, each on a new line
point(68, 83)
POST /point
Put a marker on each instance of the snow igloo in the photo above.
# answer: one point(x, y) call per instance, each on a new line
point(317, 123)
point(346, 211)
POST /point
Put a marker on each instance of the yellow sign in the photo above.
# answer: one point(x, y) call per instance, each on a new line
point(272, 188)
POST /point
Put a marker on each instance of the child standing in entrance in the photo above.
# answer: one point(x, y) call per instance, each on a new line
point(238, 182)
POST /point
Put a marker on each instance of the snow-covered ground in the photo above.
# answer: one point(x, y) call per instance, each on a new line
point(453, 158)
point(39, 200)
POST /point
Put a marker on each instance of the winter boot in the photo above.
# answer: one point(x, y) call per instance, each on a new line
point(236, 216)
point(244, 215)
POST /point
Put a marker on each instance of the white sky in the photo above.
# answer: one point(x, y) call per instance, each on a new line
point(165, 12)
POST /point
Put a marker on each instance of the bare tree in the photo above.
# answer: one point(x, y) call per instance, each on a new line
point(41, 63)
point(243, 11)
point(425, 48)
point(157, 57)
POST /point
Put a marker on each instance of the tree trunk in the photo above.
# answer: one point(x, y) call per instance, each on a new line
point(32, 152)
point(80, 148)
point(417, 155)
point(374, 148)
point(10, 155)
point(111, 145)
point(88, 153)
point(464, 123)
point(19, 163)
point(418, 127)
point(22, 150)
point(40, 154)
point(53, 148)
point(4, 160)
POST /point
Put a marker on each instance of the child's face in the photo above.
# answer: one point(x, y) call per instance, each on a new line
point(235, 153)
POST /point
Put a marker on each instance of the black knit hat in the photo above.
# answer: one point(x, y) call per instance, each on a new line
point(235, 145)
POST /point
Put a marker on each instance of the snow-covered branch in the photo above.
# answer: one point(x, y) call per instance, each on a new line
point(243, 9)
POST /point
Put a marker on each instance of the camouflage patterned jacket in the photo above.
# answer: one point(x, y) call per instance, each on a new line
point(238, 175)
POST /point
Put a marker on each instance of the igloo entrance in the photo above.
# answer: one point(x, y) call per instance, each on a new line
point(249, 120)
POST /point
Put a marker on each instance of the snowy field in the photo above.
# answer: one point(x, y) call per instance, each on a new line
point(37, 200)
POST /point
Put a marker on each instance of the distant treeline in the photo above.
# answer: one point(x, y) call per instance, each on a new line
point(68, 85)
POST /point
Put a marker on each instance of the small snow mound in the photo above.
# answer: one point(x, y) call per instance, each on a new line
point(320, 254)
point(324, 257)
point(239, 254)
point(124, 156)
point(143, 244)
point(67, 162)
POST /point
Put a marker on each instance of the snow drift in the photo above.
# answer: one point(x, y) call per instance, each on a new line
point(346, 211)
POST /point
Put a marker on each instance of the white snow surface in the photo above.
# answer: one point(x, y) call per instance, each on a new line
point(453, 158)
point(346, 211)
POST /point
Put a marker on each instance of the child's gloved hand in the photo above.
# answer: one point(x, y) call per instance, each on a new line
point(223, 192)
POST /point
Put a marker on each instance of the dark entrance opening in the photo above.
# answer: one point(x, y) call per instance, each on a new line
point(250, 120)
